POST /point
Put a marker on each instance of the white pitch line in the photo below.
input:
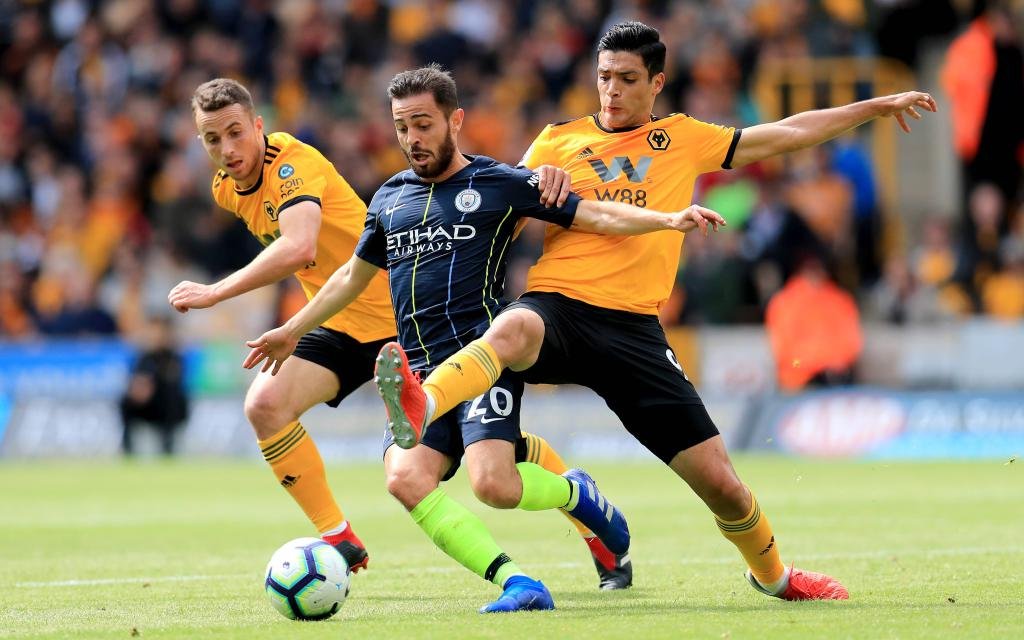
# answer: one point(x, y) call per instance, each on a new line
point(99, 581)
point(864, 555)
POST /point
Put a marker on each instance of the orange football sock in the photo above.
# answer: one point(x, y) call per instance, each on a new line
point(753, 536)
point(295, 460)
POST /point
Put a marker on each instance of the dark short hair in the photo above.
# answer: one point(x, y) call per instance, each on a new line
point(638, 38)
point(429, 79)
point(219, 93)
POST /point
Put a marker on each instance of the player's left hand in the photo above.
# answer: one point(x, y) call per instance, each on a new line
point(272, 348)
point(554, 186)
point(900, 105)
point(696, 217)
point(192, 295)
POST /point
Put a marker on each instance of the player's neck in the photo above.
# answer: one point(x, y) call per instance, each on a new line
point(253, 177)
point(458, 163)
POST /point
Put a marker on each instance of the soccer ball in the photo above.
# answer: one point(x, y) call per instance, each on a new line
point(307, 579)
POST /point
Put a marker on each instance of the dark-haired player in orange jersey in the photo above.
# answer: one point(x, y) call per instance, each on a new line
point(589, 316)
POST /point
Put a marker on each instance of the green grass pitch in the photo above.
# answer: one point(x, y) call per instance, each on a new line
point(177, 550)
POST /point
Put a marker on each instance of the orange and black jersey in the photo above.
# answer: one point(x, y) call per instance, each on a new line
point(295, 172)
point(654, 166)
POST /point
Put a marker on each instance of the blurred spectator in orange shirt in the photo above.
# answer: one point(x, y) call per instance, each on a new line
point(814, 329)
point(984, 79)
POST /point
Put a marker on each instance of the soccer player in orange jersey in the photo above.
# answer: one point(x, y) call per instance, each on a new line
point(589, 316)
point(308, 219)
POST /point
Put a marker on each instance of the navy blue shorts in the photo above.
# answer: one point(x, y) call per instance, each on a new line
point(491, 416)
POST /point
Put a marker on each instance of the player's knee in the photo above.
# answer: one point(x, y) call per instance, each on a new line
point(515, 335)
point(407, 485)
point(496, 492)
point(265, 413)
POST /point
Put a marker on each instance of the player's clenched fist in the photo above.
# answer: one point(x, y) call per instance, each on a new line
point(696, 217)
point(192, 295)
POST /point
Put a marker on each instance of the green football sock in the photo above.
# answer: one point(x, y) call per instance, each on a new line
point(460, 534)
point(542, 489)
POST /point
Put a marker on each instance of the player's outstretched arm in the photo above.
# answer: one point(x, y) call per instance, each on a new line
point(338, 292)
point(300, 226)
point(809, 128)
point(619, 219)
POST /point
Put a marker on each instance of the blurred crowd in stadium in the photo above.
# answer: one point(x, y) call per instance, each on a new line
point(104, 187)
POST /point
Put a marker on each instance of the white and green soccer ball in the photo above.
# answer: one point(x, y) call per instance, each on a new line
point(307, 579)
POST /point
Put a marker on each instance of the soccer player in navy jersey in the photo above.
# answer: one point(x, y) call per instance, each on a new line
point(442, 230)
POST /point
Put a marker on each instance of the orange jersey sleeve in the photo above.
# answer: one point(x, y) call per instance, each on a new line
point(653, 166)
point(295, 172)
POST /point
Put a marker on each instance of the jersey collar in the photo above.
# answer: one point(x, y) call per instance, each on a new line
point(267, 160)
point(597, 122)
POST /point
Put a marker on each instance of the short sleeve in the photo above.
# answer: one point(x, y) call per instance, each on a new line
point(524, 198)
point(712, 145)
point(297, 178)
point(537, 154)
point(372, 245)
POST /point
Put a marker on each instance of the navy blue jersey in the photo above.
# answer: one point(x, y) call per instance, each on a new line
point(445, 246)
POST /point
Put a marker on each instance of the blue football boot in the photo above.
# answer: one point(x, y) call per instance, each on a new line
point(587, 505)
point(521, 594)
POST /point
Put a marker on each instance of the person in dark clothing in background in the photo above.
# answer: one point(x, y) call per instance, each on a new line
point(156, 395)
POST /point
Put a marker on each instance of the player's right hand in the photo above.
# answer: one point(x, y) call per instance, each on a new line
point(272, 348)
point(192, 295)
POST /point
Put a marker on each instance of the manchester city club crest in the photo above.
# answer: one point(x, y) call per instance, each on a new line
point(285, 171)
point(468, 200)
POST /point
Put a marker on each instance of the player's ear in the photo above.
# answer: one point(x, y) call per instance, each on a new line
point(658, 82)
point(258, 124)
point(455, 120)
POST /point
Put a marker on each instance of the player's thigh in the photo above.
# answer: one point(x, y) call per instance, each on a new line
point(490, 428)
point(641, 380)
point(411, 474)
point(273, 401)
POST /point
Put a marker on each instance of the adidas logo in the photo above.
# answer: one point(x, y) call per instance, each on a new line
point(771, 544)
point(454, 365)
point(289, 481)
point(586, 153)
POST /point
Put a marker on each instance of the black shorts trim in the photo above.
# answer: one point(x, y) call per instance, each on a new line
point(350, 360)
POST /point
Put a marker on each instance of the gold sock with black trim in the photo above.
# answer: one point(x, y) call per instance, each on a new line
point(471, 371)
point(540, 452)
point(753, 536)
point(295, 460)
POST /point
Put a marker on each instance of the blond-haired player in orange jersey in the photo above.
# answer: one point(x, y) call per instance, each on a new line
point(308, 219)
point(589, 316)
